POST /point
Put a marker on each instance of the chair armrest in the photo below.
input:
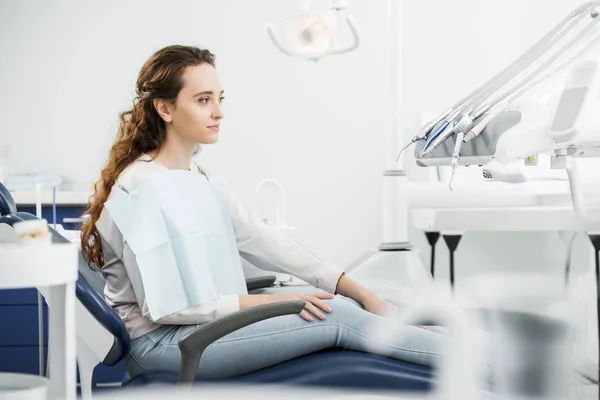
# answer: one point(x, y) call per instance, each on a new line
point(10, 219)
point(25, 216)
point(260, 283)
point(193, 344)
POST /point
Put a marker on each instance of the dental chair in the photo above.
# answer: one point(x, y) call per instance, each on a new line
point(103, 338)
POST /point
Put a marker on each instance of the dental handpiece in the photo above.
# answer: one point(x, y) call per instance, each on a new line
point(436, 141)
point(477, 129)
point(466, 123)
point(463, 125)
point(425, 131)
point(427, 128)
point(481, 125)
point(444, 129)
point(456, 155)
point(439, 129)
point(457, 148)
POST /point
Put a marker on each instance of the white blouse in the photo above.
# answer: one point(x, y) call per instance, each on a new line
point(124, 289)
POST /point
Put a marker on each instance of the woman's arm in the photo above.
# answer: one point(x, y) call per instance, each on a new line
point(268, 248)
point(370, 301)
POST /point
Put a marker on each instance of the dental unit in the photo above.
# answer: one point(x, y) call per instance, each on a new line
point(496, 104)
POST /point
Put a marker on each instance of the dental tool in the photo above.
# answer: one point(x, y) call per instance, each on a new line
point(462, 124)
point(434, 141)
point(431, 124)
point(478, 127)
point(441, 127)
point(423, 133)
point(444, 128)
point(456, 155)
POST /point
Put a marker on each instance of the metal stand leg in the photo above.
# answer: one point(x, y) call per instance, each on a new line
point(567, 237)
point(452, 243)
point(432, 238)
point(596, 243)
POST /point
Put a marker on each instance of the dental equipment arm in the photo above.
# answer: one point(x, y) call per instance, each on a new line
point(507, 129)
point(468, 118)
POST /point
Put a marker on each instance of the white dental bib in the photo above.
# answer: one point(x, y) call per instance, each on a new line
point(178, 225)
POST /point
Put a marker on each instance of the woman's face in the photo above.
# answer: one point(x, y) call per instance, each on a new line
point(197, 113)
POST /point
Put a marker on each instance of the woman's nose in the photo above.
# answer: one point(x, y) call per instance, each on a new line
point(218, 112)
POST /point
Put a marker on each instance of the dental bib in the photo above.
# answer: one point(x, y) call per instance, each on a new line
point(178, 226)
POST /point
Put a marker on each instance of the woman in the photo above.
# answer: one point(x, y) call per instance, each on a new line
point(178, 108)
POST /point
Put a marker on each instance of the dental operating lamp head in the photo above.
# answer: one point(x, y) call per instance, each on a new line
point(312, 36)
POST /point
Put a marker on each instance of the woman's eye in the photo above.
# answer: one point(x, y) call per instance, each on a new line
point(222, 99)
point(203, 100)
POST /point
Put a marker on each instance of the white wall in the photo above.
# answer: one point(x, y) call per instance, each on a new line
point(69, 67)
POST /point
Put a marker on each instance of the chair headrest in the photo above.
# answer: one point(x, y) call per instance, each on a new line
point(7, 203)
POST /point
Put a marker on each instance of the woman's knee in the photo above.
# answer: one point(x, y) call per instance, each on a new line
point(344, 311)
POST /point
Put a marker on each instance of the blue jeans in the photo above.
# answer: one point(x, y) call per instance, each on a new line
point(280, 339)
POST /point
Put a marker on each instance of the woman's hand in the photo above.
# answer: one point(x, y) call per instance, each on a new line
point(315, 306)
point(314, 303)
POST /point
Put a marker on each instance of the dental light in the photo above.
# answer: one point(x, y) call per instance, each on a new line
point(312, 36)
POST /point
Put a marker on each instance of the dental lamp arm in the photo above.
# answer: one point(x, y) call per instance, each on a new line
point(355, 37)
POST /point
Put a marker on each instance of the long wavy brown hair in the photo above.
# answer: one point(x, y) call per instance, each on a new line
point(141, 131)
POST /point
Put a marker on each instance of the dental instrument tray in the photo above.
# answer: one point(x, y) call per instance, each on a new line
point(475, 152)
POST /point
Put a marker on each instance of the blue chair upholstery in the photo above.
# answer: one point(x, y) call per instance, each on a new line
point(7, 203)
point(331, 368)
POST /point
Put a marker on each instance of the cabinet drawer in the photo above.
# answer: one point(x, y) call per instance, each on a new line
point(23, 359)
point(19, 297)
point(19, 326)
